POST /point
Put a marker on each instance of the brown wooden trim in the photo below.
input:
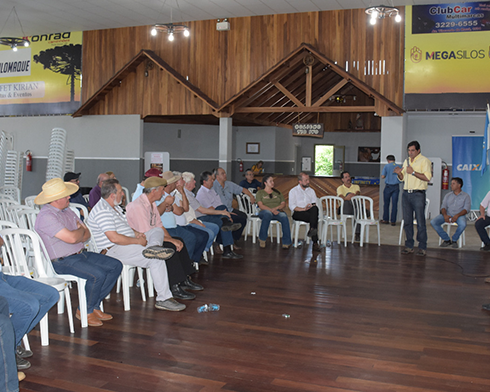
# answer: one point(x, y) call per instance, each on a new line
point(321, 109)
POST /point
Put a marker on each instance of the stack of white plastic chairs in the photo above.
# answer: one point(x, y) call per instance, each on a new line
point(10, 163)
point(70, 161)
point(57, 154)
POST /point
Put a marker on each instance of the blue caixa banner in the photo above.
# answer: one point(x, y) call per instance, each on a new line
point(467, 156)
point(451, 18)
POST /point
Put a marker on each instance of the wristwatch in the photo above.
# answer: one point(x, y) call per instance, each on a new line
point(413, 173)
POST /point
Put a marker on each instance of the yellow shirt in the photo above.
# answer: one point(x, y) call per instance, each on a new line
point(422, 165)
point(343, 190)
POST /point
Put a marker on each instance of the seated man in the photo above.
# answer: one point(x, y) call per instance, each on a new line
point(143, 216)
point(188, 217)
point(484, 221)
point(302, 203)
point(210, 204)
point(94, 195)
point(346, 192)
point(226, 189)
point(115, 238)
point(77, 196)
point(139, 187)
point(455, 205)
point(194, 239)
point(28, 302)
point(64, 234)
point(250, 181)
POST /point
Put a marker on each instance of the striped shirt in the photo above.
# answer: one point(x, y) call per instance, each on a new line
point(104, 218)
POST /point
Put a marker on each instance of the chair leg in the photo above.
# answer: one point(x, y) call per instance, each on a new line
point(61, 303)
point(344, 229)
point(296, 234)
point(82, 302)
point(149, 280)
point(142, 283)
point(379, 239)
point(44, 328)
point(125, 287)
point(401, 232)
point(67, 298)
point(363, 227)
point(278, 231)
point(25, 340)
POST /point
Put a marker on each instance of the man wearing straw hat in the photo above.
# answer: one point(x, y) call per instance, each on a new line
point(64, 234)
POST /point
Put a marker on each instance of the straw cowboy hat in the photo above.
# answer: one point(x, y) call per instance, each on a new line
point(55, 189)
point(169, 176)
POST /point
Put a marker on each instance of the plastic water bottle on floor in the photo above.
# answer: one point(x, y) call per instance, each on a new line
point(203, 309)
point(213, 307)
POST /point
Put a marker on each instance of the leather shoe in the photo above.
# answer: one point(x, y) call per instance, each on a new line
point(190, 285)
point(217, 249)
point(316, 247)
point(92, 319)
point(384, 222)
point(231, 226)
point(101, 315)
point(180, 293)
point(312, 232)
point(21, 376)
point(231, 255)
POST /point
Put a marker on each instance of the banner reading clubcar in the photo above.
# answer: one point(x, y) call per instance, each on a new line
point(467, 165)
point(445, 66)
point(43, 78)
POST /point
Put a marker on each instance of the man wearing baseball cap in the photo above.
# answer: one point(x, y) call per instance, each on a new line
point(64, 234)
point(153, 172)
point(77, 197)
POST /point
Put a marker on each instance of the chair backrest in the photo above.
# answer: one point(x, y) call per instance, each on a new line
point(12, 212)
point(333, 208)
point(27, 218)
point(77, 209)
point(363, 207)
point(126, 193)
point(4, 203)
point(29, 201)
point(91, 245)
point(20, 246)
point(245, 204)
point(86, 198)
point(7, 225)
point(11, 191)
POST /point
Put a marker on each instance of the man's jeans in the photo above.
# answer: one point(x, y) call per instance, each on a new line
point(210, 228)
point(390, 192)
point(8, 368)
point(480, 225)
point(28, 302)
point(282, 217)
point(100, 271)
point(438, 221)
point(414, 203)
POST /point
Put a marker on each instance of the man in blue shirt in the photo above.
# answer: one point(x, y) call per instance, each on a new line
point(391, 191)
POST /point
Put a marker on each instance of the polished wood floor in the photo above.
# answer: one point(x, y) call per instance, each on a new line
point(360, 320)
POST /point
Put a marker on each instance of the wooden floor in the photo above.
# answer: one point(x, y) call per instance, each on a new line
point(360, 320)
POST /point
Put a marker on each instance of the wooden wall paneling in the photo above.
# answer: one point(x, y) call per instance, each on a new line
point(223, 63)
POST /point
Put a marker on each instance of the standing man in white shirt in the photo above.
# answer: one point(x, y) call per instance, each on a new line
point(302, 203)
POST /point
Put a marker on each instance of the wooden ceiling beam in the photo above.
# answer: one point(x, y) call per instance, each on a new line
point(331, 92)
point(288, 94)
point(306, 109)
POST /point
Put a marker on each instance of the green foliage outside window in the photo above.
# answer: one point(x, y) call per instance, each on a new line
point(324, 160)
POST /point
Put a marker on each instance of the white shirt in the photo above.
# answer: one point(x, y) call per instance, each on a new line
point(299, 197)
point(486, 203)
point(186, 217)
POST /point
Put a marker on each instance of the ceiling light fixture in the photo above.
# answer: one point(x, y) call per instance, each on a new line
point(170, 28)
point(14, 42)
point(382, 11)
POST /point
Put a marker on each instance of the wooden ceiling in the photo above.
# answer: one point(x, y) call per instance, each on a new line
point(303, 87)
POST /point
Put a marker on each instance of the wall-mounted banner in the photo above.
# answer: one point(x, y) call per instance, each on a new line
point(313, 130)
point(446, 71)
point(43, 78)
point(451, 18)
point(467, 165)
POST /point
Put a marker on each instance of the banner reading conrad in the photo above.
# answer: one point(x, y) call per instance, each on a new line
point(447, 56)
point(43, 78)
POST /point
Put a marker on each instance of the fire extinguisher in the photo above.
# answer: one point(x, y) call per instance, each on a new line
point(28, 161)
point(240, 165)
point(445, 176)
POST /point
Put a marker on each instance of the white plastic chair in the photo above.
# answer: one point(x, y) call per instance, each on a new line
point(80, 207)
point(426, 215)
point(296, 226)
point(4, 203)
point(27, 218)
point(363, 207)
point(447, 226)
point(86, 198)
point(11, 191)
point(29, 201)
point(15, 256)
point(13, 210)
point(331, 217)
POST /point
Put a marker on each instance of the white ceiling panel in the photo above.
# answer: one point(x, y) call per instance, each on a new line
point(47, 16)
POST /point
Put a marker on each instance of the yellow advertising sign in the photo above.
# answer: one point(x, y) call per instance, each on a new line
point(444, 61)
point(43, 78)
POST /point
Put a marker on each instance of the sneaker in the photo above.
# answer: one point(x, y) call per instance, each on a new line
point(445, 244)
point(231, 226)
point(421, 252)
point(158, 252)
point(407, 251)
point(262, 244)
point(486, 248)
point(23, 353)
point(22, 364)
point(312, 232)
point(21, 376)
point(455, 244)
point(286, 246)
point(170, 304)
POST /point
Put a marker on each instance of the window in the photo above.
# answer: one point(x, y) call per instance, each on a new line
point(324, 159)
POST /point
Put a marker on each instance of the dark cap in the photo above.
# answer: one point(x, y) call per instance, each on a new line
point(71, 176)
point(390, 158)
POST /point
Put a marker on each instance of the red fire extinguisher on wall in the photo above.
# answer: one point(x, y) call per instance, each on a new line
point(445, 176)
point(28, 161)
point(240, 165)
